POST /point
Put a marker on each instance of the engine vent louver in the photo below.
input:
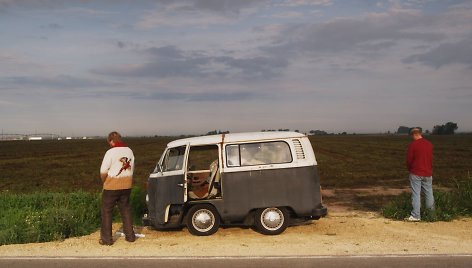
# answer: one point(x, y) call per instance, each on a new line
point(298, 149)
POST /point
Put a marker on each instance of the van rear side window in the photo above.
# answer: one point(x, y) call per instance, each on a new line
point(263, 153)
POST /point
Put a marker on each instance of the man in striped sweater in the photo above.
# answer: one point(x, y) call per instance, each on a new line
point(116, 173)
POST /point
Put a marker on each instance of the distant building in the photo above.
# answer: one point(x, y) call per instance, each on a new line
point(406, 130)
point(403, 130)
point(35, 138)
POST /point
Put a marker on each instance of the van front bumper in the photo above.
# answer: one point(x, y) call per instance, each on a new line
point(320, 212)
point(146, 220)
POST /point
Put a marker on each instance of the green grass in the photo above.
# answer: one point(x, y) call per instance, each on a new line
point(138, 204)
point(42, 217)
point(449, 205)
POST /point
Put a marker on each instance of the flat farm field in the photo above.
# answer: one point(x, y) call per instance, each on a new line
point(364, 170)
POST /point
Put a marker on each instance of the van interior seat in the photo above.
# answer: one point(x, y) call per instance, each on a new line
point(212, 178)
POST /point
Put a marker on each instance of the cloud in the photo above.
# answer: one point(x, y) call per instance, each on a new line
point(196, 13)
point(255, 67)
point(288, 15)
point(52, 26)
point(120, 44)
point(70, 7)
point(170, 61)
point(223, 6)
point(445, 54)
point(5, 5)
point(60, 81)
point(203, 96)
point(294, 3)
point(378, 30)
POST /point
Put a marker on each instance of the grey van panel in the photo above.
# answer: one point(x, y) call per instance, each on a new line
point(297, 188)
point(163, 192)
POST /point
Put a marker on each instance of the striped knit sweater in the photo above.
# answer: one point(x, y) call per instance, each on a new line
point(118, 165)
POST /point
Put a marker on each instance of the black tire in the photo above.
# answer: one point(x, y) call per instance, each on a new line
point(271, 221)
point(203, 220)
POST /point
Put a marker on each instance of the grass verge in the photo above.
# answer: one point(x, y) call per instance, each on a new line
point(43, 217)
point(449, 205)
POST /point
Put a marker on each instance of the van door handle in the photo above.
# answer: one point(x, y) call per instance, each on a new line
point(180, 184)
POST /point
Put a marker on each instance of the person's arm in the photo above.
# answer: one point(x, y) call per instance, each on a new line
point(410, 157)
point(106, 165)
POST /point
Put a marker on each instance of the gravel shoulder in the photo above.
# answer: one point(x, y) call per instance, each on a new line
point(340, 233)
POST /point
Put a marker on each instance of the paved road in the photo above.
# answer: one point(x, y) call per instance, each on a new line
point(427, 261)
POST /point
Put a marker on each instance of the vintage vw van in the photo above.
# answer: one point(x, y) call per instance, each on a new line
point(262, 179)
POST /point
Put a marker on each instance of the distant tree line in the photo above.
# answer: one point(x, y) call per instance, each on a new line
point(318, 132)
point(215, 132)
point(406, 130)
point(447, 129)
point(280, 129)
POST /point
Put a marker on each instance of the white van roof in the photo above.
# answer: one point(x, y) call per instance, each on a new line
point(236, 137)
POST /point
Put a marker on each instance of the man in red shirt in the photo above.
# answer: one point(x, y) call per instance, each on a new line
point(419, 161)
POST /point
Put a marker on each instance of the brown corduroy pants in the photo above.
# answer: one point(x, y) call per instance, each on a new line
point(110, 198)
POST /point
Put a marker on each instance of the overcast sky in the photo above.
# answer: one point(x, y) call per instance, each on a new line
point(177, 66)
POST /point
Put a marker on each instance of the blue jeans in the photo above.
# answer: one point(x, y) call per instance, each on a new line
point(419, 183)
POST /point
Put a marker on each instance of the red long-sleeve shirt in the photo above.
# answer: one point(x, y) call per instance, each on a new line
point(419, 159)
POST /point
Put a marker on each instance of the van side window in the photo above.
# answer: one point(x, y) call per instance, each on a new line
point(174, 159)
point(263, 153)
point(232, 156)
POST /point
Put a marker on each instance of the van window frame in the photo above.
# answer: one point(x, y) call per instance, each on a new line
point(265, 164)
point(216, 150)
point(182, 158)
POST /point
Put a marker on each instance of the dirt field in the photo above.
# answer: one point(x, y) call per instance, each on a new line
point(343, 232)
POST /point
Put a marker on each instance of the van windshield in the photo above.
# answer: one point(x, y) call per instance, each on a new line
point(174, 159)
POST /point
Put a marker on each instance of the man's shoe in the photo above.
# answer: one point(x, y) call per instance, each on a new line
point(130, 239)
point(412, 219)
point(103, 243)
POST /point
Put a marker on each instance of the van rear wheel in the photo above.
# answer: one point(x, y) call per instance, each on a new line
point(203, 220)
point(271, 221)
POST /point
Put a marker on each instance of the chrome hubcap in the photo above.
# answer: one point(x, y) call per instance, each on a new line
point(203, 220)
point(272, 218)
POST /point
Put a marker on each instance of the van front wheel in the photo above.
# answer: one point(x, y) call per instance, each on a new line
point(271, 221)
point(202, 220)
